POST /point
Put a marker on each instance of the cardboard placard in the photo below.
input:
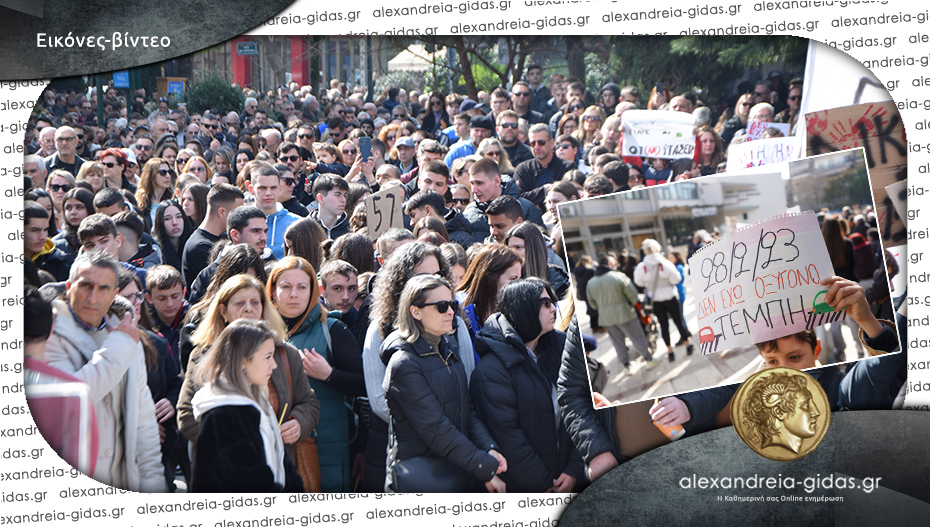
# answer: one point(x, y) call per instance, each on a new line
point(761, 282)
point(898, 194)
point(384, 211)
point(764, 152)
point(649, 133)
point(877, 127)
point(754, 129)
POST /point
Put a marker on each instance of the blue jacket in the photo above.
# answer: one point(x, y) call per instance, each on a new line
point(277, 224)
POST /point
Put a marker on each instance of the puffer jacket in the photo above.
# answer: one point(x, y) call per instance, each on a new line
point(663, 288)
point(417, 378)
point(513, 395)
point(593, 432)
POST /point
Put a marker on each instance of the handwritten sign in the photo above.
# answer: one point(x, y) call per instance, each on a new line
point(754, 129)
point(762, 282)
point(649, 133)
point(765, 152)
point(877, 127)
point(384, 211)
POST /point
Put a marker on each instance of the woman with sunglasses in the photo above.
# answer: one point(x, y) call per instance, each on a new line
point(513, 389)
point(198, 167)
point(590, 132)
point(155, 186)
point(349, 151)
point(438, 443)
point(492, 148)
point(58, 183)
point(738, 121)
point(436, 118)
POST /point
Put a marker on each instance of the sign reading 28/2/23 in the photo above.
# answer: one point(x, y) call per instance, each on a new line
point(648, 133)
point(762, 282)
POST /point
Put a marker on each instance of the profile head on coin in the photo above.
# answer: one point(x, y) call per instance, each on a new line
point(781, 413)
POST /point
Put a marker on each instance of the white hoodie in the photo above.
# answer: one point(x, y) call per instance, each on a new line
point(211, 396)
point(663, 288)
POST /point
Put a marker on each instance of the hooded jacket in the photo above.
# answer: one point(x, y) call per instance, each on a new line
point(53, 260)
point(341, 227)
point(514, 396)
point(239, 447)
point(476, 214)
point(660, 289)
point(431, 411)
point(459, 228)
point(115, 372)
point(277, 224)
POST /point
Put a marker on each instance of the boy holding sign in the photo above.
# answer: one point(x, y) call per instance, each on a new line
point(869, 384)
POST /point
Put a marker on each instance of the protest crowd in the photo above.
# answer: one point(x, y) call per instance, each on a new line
point(225, 286)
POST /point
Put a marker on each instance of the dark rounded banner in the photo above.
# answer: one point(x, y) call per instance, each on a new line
point(871, 469)
point(60, 38)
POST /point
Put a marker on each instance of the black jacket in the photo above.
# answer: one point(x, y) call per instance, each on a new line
point(431, 411)
point(526, 174)
point(481, 229)
point(593, 432)
point(230, 455)
point(341, 227)
point(459, 228)
point(558, 279)
point(513, 395)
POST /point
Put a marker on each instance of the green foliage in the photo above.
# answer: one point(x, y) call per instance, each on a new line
point(212, 91)
point(409, 80)
point(597, 73)
point(848, 188)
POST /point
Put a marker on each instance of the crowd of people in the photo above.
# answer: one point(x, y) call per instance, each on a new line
point(214, 285)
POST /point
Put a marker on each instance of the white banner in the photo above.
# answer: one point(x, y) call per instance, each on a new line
point(648, 133)
point(764, 152)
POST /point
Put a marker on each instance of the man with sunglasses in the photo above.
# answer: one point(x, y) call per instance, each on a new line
point(286, 197)
point(289, 155)
point(536, 175)
point(144, 148)
point(521, 94)
point(65, 158)
point(508, 130)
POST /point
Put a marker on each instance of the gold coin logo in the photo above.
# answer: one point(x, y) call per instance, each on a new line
point(781, 413)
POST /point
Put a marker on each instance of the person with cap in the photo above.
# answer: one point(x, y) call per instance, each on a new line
point(482, 127)
point(610, 95)
point(406, 154)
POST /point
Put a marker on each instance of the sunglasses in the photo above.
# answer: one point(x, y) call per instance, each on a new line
point(509, 125)
point(564, 146)
point(304, 136)
point(794, 97)
point(540, 142)
point(60, 188)
point(442, 306)
point(181, 160)
point(521, 94)
point(289, 181)
point(135, 298)
point(197, 169)
point(210, 126)
point(349, 152)
point(462, 201)
point(573, 108)
point(163, 172)
point(143, 147)
point(591, 118)
point(546, 303)
point(289, 158)
point(80, 136)
point(391, 137)
point(109, 165)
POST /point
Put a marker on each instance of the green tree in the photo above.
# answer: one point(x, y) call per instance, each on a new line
point(211, 91)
